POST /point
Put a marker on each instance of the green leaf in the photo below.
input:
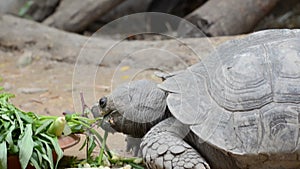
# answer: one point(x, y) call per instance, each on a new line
point(26, 146)
point(3, 155)
point(136, 166)
point(9, 138)
point(68, 117)
point(91, 146)
point(48, 156)
point(55, 145)
point(48, 160)
point(25, 8)
point(67, 130)
point(102, 148)
point(2, 137)
point(6, 117)
point(43, 127)
point(32, 115)
point(21, 126)
point(76, 128)
point(83, 145)
point(6, 125)
point(34, 163)
point(38, 150)
point(24, 116)
point(39, 157)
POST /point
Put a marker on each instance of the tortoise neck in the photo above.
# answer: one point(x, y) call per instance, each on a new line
point(133, 128)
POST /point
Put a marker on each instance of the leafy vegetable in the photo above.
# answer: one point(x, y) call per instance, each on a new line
point(26, 135)
point(3, 155)
point(34, 138)
point(26, 146)
point(57, 127)
point(105, 157)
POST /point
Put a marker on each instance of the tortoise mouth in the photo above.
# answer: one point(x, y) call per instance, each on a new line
point(104, 113)
point(109, 116)
point(111, 121)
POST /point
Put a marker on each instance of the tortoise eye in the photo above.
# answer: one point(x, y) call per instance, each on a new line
point(102, 102)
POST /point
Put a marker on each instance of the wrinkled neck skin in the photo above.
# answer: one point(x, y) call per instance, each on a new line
point(126, 126)
point(134, 108)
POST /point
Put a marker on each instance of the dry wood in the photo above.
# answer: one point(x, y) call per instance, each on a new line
point(42, 9)
point(126, 8)
point(230, 17)
point(11, 6)
point(76, 15)
point(20, 34)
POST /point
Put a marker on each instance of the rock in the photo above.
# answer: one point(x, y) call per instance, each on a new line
point(25, 59)
point(7, 86)
point(32, 90)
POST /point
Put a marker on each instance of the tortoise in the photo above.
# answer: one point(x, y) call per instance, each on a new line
point(237, 108)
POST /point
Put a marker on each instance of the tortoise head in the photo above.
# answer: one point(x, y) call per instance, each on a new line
point(134, 108)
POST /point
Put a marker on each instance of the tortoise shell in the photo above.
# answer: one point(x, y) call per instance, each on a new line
point(243, 98)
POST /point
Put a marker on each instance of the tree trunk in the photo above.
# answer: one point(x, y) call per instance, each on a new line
point(21, 34)
point(42, 9)
point(11, 6)
point(230, 17)
point(76, 15)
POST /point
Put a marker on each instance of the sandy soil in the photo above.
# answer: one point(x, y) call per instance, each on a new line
point(51, 83)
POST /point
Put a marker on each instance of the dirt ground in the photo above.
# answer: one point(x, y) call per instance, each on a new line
point(45, 87)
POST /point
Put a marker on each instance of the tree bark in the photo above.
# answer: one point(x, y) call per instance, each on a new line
point(76, 15)
point(126, 8)
point(42, 9)
point(18, 34)
point(11, 6)
point(230, 17)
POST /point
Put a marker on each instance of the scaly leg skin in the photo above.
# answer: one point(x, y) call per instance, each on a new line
point(163, 148)
point(133, 145)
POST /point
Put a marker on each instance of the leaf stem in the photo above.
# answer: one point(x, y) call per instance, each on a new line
point(93, 131)
point(102, 148)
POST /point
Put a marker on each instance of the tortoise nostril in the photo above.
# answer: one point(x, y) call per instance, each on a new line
point(102, 102)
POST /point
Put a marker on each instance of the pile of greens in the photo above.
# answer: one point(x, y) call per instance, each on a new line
point(34, 138)
point(26, 135)
point(105, 157)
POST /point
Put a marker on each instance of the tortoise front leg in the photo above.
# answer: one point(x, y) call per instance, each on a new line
point(163, 147)
point(133, 144)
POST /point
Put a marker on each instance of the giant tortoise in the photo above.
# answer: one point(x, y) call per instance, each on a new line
point(237, 108)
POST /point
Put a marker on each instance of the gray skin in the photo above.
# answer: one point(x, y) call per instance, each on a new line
point(238, 108)
point(132, 144)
